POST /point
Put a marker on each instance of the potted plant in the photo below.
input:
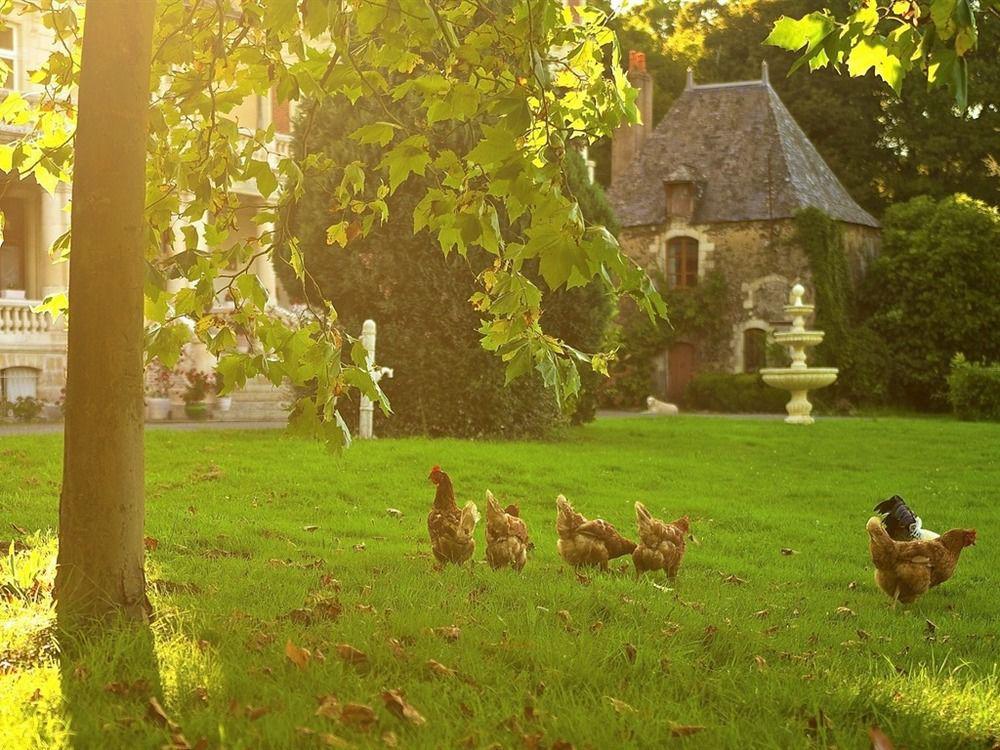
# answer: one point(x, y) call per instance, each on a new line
point(26, 409)
point(11, 292)
point(158, 381)
point(222, 403)
point(198, 386)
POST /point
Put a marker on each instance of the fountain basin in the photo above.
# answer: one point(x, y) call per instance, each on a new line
point(800, 338)
point(805, 379)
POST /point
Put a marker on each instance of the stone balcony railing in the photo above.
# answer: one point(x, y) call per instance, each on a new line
point(19, 320)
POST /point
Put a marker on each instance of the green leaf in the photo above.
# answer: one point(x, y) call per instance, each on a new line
point(379, 133)
point(874, 53)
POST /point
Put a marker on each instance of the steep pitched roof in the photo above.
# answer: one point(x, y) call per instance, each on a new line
point(750, 159)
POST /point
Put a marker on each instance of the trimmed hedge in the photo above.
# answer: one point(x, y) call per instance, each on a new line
point(737, 394)
point(974, 389)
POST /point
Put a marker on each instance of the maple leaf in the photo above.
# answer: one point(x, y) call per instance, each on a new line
point(352, 656)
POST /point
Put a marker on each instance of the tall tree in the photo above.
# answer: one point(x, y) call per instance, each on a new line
point(526, 79)
point(101, 510)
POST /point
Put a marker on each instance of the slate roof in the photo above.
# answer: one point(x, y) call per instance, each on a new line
point(734, 140)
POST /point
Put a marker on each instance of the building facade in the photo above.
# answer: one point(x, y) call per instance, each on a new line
point(715, 186)
point(32, 345)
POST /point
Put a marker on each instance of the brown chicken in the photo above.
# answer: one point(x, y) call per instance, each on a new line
point(905, 570)
point(450, 529)
point(583, 542)
point(661, 545)
point(506, 535)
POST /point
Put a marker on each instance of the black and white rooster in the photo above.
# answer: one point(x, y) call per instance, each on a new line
point(902, 523)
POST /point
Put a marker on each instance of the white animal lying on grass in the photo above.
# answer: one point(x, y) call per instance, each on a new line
point(655, 406)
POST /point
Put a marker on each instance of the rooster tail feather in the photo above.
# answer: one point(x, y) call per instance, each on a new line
point(642, 516)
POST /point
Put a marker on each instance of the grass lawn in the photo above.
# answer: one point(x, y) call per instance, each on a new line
point(759, 648)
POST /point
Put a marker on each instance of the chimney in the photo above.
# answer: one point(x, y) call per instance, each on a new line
point(628, 140)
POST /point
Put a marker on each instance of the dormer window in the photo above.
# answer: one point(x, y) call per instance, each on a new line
point(680, 200)
point(8, 58)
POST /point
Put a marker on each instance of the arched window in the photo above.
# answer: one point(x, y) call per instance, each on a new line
point(682, 262)
point(754, 349)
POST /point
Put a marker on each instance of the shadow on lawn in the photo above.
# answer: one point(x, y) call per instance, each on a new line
point(111, 686)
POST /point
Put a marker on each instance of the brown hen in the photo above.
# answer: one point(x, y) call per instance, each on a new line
point(661, 545)
point(583, 542)
point(506, 535)
point(450, 529)
point(905, 570)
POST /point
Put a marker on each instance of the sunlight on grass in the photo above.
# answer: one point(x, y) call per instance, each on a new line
point(757, 648)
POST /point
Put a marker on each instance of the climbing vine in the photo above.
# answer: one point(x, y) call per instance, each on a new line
point(695, 313)
point(847, 345)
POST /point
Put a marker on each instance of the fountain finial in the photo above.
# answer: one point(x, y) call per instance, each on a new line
point(795, 296)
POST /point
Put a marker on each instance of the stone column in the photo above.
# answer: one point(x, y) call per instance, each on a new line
point(53, 276)
point(264, 268)
point(367, 407)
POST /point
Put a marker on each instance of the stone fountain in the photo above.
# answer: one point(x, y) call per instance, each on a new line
point(799, 378)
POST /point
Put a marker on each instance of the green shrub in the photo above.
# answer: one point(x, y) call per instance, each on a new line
point(725, 392)
point(444, 384)
point(26, 409)
point(974, 389)
point(933, 292)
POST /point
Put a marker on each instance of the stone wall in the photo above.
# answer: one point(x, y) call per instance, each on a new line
point(760, 263)
point(50, 364)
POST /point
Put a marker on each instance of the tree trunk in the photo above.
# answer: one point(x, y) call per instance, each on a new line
point(100, 566)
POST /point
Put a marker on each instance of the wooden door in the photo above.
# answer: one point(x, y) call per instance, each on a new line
point(680, 370)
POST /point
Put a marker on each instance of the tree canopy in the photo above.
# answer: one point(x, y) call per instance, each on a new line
point(524, 80)
point(884, 147)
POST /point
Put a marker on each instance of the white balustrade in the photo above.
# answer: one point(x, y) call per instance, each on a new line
point(18, 317)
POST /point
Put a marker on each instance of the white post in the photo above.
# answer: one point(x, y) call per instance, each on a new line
point(367, 407)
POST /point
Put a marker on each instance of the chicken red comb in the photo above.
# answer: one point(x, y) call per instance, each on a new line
point(434, 468)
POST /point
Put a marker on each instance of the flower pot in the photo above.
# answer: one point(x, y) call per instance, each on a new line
point(158, 408)
point(13, 294)
point(223, 403)
point(196, 410)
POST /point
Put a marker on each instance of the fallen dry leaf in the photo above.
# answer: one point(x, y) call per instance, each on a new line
point(685, 730)
point(621, 706)
point(630, 652)
point(450, 633)
point(19, 529)
point(788, 551)
point(845, 612)
point(332, 740)
point(761, 613)
point(734, 579)
point(156, 714)
point(360, 547)
point(394, 512)
point(389, 738)
point(253, 713)
point(761, 662)
point(350, 655)
point(562, 745)
point(396, 704)
point(863, 635)
point(358, 715)
point(879, 739)
point(852, 585)
point(440, 670)
point(298, 656)
point(310, 527)
point(150, 543)
point(582, 578)
point(329, 707)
